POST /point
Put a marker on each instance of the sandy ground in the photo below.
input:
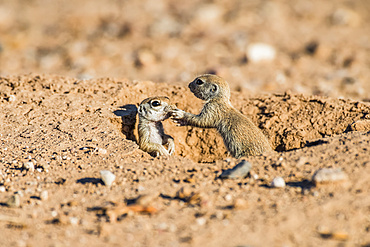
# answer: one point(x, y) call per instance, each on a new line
point(72, 76)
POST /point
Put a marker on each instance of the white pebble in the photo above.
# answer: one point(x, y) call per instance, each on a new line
point(11, 98)
point(102, 151)
point(162, 226)
point(44, 195)
point(73, 220)
point(107, 177)
point(2, 189)
point(258, 52)
point(329, 175)
point(278, 182)
point(29, 166)
point(201, 221)
point(228, 197)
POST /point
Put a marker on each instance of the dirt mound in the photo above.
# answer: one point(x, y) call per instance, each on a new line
point(79, 108)
point(58, 133)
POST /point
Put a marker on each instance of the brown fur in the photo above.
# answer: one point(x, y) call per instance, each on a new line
point(150, 129)
point(240, 135)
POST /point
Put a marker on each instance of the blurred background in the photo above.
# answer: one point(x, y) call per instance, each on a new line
point(305, 46)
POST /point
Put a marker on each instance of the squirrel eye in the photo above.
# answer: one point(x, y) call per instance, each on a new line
point(199, 82)
point(156, 103)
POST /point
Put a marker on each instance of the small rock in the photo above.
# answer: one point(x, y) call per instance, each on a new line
point(14, 201)
point(240, 204)
point(102, 151)
point(278, 182)
point(163, 226)
point(11, 98)
point(73, 221)
point(62, 220)
point(140, 188)
point(107, 177)
point(345, 16)
point(260, 52)
point(20, 193)
point(241, 170)
point(183, 193)
point(329, 175)
point(44, 195)
point(201, 221)
point(360, 125)
point(208, 14)
point(189, 180)
point(2, 189)
point(73, 203)
point(60, 181)
point(29, 166)
point(145, 58)
point(228, 197)
point(326, 233)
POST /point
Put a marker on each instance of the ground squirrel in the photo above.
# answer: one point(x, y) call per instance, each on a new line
point(150, 129)
point(240, 135)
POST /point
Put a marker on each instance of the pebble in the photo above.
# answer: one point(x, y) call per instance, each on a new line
point(11, 98)
point(208, 14)
point(14, 201)
point(140, 188)
point(2, 189)
point(145, 58)
point(260, 52)
point(102, 151)
point(107, 177)
point(360, 125)
point(201, 221)
point(240, 204)
point(241, 170)
point(183, 193)
point(73, 221)
point(329, 175)
point(163, 226)
point(29, 166)
point(326, 233)
point(44, 195)
point(345, 16)
point(278, 182)
point(228, 197)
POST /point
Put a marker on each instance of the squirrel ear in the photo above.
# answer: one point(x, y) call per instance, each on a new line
point(214, 88)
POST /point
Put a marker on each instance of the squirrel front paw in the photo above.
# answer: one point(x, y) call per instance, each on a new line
point(177, 117)
point(177, 114)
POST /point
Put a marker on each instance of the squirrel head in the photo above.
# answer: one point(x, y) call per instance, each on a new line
point(210, 87)
point(155, 108)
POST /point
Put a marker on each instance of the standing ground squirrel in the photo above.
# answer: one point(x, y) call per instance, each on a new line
point(240, 135)
point(150, 129)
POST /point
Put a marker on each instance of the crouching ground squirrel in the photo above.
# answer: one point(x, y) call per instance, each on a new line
point(152, 138)
point(240, 135)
